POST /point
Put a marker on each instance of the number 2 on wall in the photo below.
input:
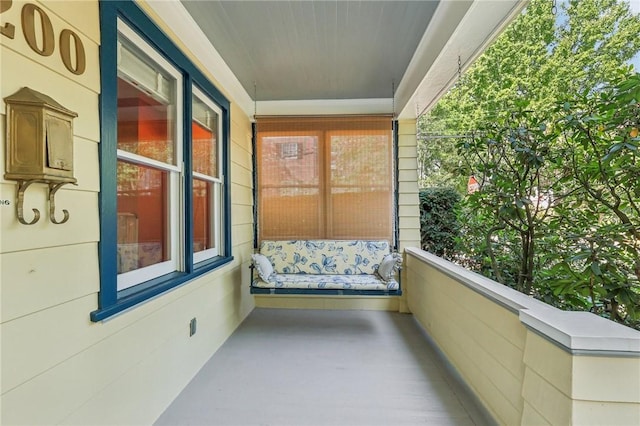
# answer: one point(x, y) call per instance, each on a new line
point(8, 30)
point(28, 21)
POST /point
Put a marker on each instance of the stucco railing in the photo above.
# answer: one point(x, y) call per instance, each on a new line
point(527, 362)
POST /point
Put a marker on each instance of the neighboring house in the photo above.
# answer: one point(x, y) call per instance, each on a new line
point(95, 311)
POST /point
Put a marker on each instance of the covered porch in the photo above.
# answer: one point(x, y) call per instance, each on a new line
point(190, 344)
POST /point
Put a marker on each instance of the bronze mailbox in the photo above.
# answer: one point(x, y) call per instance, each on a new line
point(39, 137)
point(39, 142)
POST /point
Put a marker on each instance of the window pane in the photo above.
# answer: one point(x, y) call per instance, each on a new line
point(143, 217)
point(146, 108)
point(361, 192)
point(361, 160)
point(205, 139)
point(290, 213)
point(132, 65)
point(203, 204)
point(280, 167)
point(289, 180)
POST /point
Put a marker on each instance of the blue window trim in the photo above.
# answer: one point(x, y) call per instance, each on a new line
point(110, 301)
point(396, 190)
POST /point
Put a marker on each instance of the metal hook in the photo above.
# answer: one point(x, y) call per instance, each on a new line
point(53, 188)
point(22, 187)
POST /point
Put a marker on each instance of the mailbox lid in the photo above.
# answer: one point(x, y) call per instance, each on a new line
point(27, 96)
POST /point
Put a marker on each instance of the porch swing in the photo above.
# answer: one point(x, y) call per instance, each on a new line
point(329, 267)
point(323, 198)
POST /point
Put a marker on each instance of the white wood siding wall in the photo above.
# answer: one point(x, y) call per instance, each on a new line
point(57, 366)
point(484, 341)
point(408, 203)
point(520, 376)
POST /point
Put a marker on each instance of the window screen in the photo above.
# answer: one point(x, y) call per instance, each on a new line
point(325, 177)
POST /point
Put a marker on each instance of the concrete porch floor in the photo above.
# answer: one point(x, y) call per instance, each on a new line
point(310, 367)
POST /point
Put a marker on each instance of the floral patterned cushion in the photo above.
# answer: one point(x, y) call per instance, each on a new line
point(325, 256)
point(328, 282)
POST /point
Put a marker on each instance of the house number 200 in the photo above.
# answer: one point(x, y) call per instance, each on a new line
point(29, 11)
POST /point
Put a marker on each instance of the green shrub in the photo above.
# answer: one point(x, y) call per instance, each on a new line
point(439, 225)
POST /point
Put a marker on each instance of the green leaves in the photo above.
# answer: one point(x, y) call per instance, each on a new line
point(439, 224)
point(548, 119)
point(560, 214)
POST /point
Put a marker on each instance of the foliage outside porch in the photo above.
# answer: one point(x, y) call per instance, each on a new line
point(547, 123)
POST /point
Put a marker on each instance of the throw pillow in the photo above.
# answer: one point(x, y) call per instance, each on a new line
point(388, 267)
point(263, 265)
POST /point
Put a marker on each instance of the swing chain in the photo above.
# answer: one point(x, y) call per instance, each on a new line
point(255, 100)
point(554, 7)
point(393, 98)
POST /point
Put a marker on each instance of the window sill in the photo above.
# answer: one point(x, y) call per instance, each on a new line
point(138, 294)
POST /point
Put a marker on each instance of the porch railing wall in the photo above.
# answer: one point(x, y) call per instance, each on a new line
point(527, 362)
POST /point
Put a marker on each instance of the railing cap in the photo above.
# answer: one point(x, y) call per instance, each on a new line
point(581, 333)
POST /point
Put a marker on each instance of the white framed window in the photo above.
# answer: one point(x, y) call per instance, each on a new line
point(291, 150)
point(206, 156)
point(149, 157)
point(164, 164)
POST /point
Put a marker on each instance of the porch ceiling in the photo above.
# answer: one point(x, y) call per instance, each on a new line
point(299, 50)
point(311, 57)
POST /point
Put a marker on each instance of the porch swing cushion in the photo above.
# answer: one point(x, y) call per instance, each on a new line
point(329, 265)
